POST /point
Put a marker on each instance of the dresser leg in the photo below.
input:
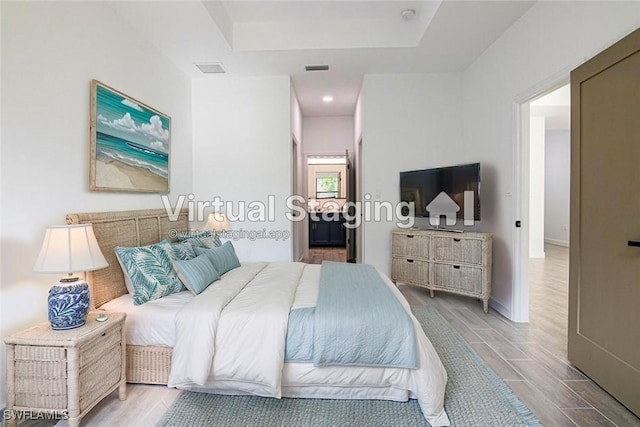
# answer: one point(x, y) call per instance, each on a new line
point(485, 305)
point(432, 293)
point(122, 391)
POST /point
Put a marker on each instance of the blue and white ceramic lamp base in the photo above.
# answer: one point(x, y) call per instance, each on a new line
point(68, 305)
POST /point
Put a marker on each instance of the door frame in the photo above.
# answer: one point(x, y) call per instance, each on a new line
point(359, 231)
point(297, 231)
point(520, 201)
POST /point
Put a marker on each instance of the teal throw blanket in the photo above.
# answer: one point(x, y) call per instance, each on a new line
point(357, 321)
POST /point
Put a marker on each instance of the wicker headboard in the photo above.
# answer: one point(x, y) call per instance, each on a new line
point(124, 228)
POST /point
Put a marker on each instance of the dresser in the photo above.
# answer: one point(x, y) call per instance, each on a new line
point(443, 261)
point(65, 373)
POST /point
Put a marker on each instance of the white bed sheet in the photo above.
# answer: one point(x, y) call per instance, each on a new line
point(152, 323)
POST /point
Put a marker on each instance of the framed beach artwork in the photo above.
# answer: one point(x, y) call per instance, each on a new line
point(130, 143)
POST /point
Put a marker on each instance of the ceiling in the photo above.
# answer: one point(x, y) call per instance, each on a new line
point(354, 37)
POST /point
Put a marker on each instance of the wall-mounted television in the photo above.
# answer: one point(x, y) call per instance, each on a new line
point(423, 186)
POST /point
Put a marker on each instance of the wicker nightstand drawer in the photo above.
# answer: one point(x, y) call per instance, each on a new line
point(95, 348)
point(66, 372)
point(100, 366)
point(41, 377)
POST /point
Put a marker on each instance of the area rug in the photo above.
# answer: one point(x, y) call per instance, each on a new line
point(475, 396)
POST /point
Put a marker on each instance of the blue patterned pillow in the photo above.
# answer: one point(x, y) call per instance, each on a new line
point(197, 273)
point(125, 273)
point(150, 270)
point(178, 251)
point(223, 258)
point(201, 239)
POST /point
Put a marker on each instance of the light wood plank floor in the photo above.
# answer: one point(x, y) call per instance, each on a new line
point(317, 255)
point(531, 358)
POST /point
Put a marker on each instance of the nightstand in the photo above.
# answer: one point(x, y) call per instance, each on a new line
point(65, 373)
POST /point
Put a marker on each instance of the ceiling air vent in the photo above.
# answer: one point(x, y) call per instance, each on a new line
point(317, 67)
point(211, 68)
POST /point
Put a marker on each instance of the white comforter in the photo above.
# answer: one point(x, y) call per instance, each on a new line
point(231, 339)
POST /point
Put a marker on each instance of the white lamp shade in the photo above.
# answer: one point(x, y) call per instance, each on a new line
point(69, 249)
point(217, 222)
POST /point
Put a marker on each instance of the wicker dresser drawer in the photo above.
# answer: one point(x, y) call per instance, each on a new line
point(456, 249)
point(410, 271)
point(65, 372)
point(458, 278)
point(409, 244)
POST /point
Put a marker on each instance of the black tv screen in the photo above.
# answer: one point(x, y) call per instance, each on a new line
point(423, 186)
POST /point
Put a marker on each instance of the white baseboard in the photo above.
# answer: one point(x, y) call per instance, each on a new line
point(556, 242)
point(536, 254)
point(500, 308)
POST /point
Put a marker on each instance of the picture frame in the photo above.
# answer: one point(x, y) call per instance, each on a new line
point(130, 143)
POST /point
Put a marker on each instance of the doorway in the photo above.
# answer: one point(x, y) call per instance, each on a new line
point(549, 170)
point(359, 231)
point(544, 173)
point(297, 178)
point(328, 191)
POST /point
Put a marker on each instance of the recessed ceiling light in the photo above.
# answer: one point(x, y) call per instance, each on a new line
point(327, 98)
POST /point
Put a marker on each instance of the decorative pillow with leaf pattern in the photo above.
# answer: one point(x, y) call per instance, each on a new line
point(178, 251)
point(151, 272)
point(201, 239)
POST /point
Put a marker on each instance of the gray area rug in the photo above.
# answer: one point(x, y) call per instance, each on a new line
point(475, 396)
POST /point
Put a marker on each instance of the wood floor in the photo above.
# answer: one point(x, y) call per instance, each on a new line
point(531, 358)
point(317, 255)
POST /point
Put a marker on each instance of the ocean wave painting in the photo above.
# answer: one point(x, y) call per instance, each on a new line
point(129, 143)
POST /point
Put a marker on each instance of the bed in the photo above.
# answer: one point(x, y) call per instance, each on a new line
point(158, 334)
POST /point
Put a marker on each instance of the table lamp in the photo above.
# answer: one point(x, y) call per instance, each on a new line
point(217, 222)
point(69, 249)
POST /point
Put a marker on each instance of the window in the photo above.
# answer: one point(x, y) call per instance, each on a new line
point(327, 185)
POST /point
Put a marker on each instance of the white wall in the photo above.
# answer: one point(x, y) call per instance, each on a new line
point(2, 359)
point(296, 115)
point(556, 190)
point(357, 119)
point(549, 40)
point(50, 52)
point(299, 246)
point(536, 187)
point(328, 134)
point(409, 122)
point(357, 132)
point(242, 153)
